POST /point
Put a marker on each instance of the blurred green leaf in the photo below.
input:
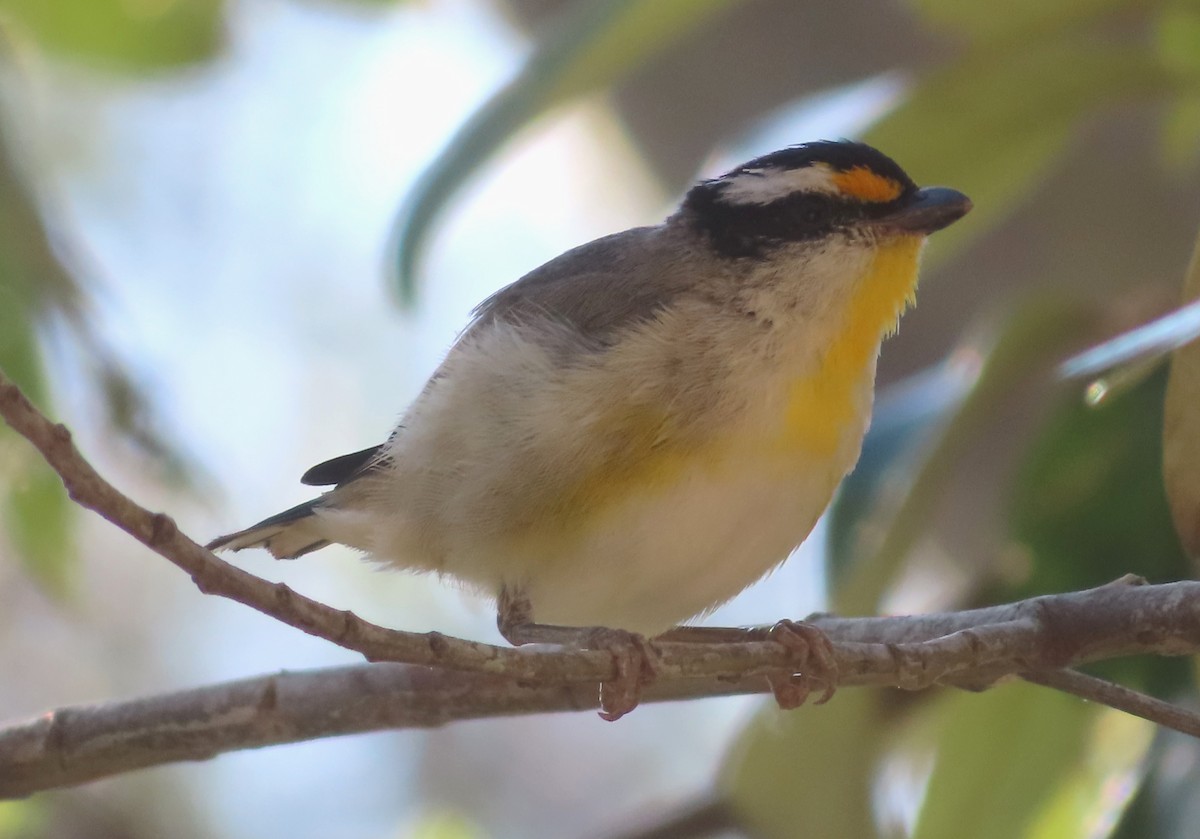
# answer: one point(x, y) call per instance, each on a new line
point(444, 824)
point(1167, 803)
point(126, 35)
point(1088, 504)
point(35, 287)
point(38, 520)
point(599, 43)
point(1007, 757)
point(34, 506)
point(1181, 133)
point(1177, 33)
point(985, 775)
point(21, 819)
point(993, 22)
point(1002, 123)
point(18, 346)
point(1178, 36)
point(1181, 428)
point(1097, 793)
point(807, 772)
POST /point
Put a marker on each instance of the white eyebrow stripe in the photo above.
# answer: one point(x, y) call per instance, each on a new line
point(762, 186)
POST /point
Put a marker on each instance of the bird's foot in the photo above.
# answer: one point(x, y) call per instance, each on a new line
point(634, 658)
point(636, 663)
point(813, 659)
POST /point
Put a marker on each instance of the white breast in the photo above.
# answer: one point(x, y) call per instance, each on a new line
point(652, 562)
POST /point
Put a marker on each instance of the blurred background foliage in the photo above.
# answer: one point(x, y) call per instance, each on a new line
point(1075, 127)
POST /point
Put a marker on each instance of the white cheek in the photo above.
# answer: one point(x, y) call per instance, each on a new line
point(762, 186)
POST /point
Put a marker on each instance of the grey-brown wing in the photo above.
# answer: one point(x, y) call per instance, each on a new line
point(600, 287)
point(595, 290)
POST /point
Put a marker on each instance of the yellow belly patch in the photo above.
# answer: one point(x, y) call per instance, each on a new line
point(822, 405)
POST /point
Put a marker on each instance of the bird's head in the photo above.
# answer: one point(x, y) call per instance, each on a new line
point(813, 193)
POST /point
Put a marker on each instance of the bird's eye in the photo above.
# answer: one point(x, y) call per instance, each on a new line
point(812, 214)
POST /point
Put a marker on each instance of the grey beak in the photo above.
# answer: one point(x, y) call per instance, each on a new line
point(926, 211)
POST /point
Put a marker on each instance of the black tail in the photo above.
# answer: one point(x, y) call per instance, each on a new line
point(287, 535)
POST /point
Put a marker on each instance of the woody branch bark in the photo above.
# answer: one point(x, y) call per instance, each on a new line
point(970, 648)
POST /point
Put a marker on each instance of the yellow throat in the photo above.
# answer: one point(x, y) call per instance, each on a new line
point(822, 405)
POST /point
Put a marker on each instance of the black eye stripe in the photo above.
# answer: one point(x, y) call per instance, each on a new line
point(752, 230)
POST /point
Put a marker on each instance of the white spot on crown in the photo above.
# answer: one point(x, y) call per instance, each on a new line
point(762, 186)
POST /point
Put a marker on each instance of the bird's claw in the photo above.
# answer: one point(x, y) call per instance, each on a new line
point(636, 664)
point(813, 659)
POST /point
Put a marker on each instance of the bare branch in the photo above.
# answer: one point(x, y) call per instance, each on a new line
point(82, 743)
point(969, 649)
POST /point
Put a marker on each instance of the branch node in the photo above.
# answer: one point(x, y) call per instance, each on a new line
point(438, 645)
point(283, 594)
point(269, 700)
point(162, 529)
point(56, 736)
point(60, 434)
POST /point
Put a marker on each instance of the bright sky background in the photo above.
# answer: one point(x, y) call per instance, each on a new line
point(237, 217)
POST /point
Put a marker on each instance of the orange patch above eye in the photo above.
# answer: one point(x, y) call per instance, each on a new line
point(865, 185)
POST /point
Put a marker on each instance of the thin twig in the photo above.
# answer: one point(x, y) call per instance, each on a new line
point(1120, 697)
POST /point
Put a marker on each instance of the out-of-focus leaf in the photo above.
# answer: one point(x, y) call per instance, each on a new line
point(808, 772)
point(599, 43)
point(1002, 755)
point(23, 818)
point(34, 507)
point(18, 346)
point(1178, 34)
point(994, 128)
point(445, 825)
point(1181, 133)
point(1100, 788)
point(1169, 802)
point(1035, 336)
point(37, 518)
point(992, 22)
point(1089, 505)
point(35, 287)
point(128, 35)
point(1181, 429)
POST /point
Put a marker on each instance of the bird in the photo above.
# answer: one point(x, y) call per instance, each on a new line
point(631, 434)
